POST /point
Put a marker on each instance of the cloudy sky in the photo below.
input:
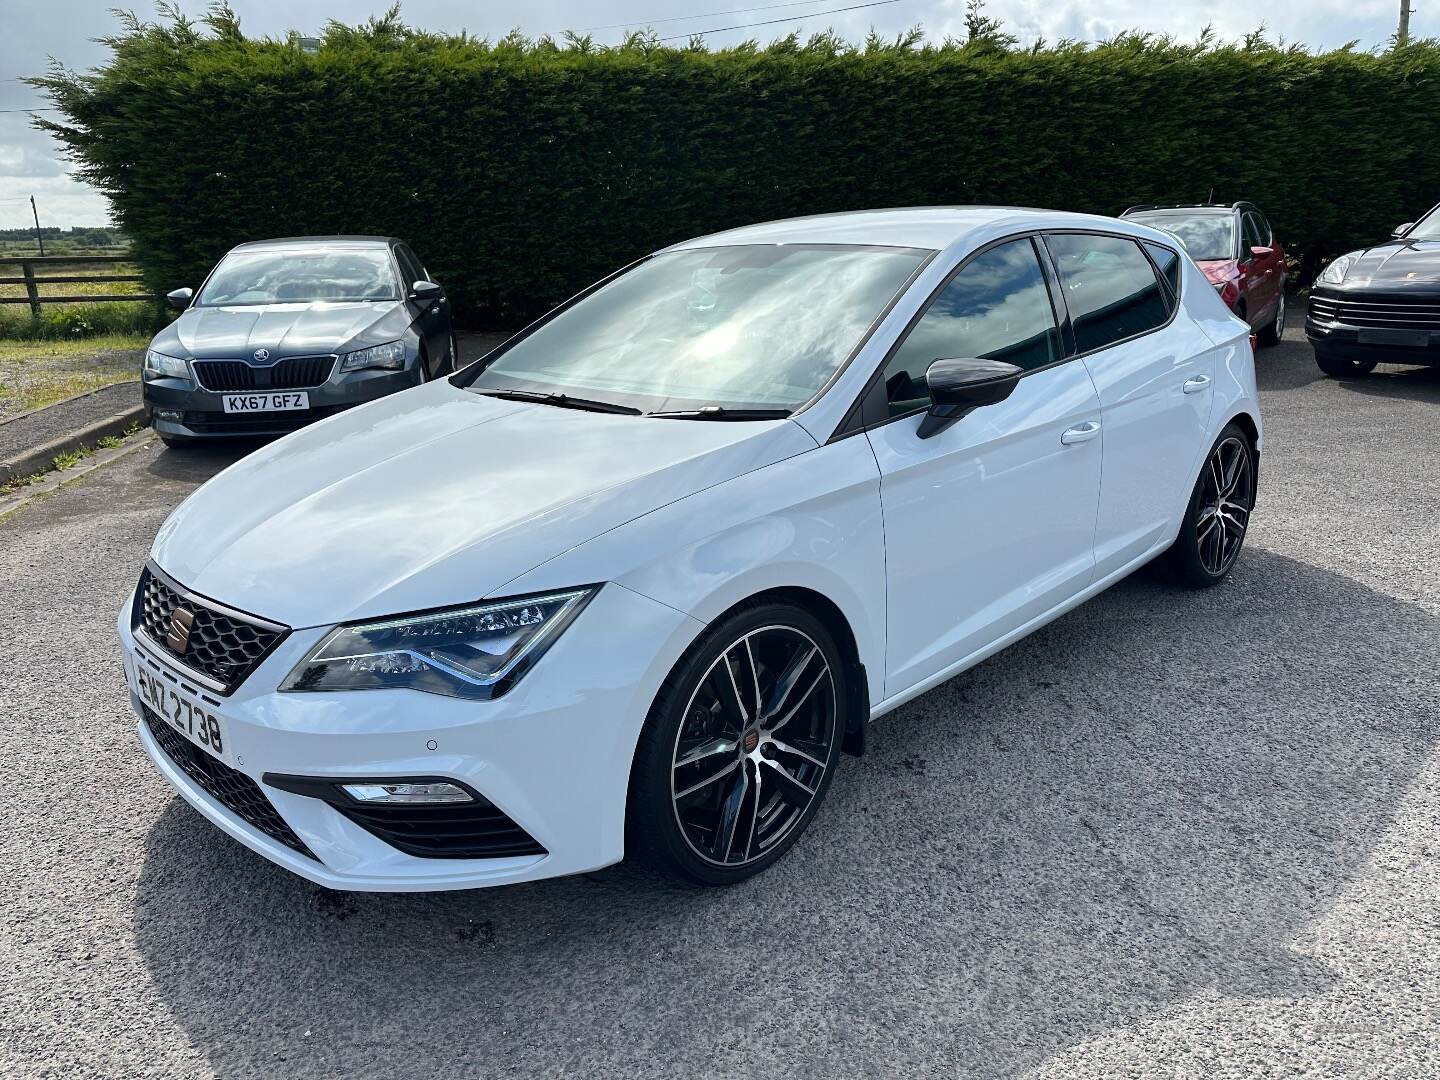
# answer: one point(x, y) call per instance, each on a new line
point(65, 29)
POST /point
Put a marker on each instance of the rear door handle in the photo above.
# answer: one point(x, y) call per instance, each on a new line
point(1080, 433)
point(1195, 384)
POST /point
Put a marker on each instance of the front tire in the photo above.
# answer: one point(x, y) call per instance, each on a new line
point(1218, 514)
point(740, 746)
point(1340, 367)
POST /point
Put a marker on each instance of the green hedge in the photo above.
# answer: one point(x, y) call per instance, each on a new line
point(523, 170)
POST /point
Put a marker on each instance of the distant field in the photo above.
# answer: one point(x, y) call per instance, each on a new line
point(99, 288)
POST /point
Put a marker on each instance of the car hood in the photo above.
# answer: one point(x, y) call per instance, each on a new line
point(1399, 264)
point(284, 329)
point(437, 496)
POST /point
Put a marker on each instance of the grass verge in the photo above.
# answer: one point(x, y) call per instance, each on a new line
point(36, 373)
point(68, 460)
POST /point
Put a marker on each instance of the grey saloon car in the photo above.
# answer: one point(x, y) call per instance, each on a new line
point(283, 332)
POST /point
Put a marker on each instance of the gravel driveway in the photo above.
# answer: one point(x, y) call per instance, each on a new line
point(1179, 833)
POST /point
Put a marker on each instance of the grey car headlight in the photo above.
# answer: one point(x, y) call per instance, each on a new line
point(160, 366)
point(478, 651)
point(390, 355)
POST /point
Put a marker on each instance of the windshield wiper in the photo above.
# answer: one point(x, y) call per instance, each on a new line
point(562, 401)
point(719, 412)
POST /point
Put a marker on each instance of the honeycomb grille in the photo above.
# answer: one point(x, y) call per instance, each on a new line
point(229, 787)
point(221, 646)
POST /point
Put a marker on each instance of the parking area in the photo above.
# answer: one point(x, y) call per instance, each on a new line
point(1183, 833)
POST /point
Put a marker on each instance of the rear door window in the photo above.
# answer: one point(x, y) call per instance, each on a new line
point(1109, 286)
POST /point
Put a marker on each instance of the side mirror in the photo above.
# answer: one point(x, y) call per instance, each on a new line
point(1402, 229)
point(958, 387)
point(425, 291)
point(1261, 251)
point(179, 299)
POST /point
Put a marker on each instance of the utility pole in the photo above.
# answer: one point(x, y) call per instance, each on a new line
point(1402, 35)
point(39, 239)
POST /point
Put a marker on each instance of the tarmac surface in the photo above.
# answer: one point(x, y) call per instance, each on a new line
point(1190, 834)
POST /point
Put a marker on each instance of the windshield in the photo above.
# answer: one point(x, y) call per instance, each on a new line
point(290, 276)
point(1205, 236)
point(1427, 228)
point(760, 326)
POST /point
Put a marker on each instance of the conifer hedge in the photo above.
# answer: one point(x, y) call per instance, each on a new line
point(521, 170)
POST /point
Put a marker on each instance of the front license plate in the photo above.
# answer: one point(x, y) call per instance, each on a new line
point(1416, 339)
point(289, 401)
point(180, 710)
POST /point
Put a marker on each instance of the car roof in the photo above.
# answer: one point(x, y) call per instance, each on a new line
point(318, 241)
point(933, 227)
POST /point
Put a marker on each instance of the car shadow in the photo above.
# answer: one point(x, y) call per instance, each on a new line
point(1395, 381)
point(1149, 799)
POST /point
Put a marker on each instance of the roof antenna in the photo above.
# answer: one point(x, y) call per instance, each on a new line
point(1211, 199)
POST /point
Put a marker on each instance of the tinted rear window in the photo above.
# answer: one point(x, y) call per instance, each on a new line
point(1110, 288)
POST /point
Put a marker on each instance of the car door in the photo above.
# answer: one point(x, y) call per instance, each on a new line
point(1254, 279)
point(1154, 378)
point(989, 523)
point(1270, 267)
point(432, 319)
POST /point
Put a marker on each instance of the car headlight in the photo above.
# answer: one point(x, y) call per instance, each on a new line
point(477, 651)
point(390, 355)
point(160, 366)
point(1335, 273)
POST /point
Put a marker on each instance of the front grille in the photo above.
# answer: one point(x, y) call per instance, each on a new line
point(230, 788)
point(1390, 313)
point(474, 830)
point(222, 645)
point(292, 373)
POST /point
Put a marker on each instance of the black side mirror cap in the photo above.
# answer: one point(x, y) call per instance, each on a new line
point(959, 387)
point(1403, 229)
point(179, 299)
point(425, 291)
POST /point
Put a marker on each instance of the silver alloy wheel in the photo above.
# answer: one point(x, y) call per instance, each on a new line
point(1228, 495)
point(1280, 317)
point(753, 745)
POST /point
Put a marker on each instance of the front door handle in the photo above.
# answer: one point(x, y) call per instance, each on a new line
point(1080, 433)
point(1196, 383)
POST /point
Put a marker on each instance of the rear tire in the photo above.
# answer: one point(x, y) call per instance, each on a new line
point(1340, 367)
point(739, 748)
point(1218, 515)
point(1271, 334)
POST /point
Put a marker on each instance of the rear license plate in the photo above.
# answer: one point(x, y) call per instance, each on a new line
point(289, 401)
point(1418, 339)
point(181, 710)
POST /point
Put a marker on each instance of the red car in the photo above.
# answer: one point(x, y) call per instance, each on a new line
point(1238, 252)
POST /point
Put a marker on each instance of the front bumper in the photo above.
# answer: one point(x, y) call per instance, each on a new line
point(185, 410)
point(553, 754)
point(1341, 340)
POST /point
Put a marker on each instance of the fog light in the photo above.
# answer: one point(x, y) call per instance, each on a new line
point(407, 793)
point(173, 415)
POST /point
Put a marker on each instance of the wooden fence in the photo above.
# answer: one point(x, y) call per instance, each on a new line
point(33, 283)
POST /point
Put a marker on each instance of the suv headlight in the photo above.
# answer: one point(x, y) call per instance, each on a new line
point(390, 355)
point(1335, 273)
point(160, 366)
point(478, 651)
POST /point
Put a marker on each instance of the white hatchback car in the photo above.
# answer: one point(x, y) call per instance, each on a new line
point(635, 579)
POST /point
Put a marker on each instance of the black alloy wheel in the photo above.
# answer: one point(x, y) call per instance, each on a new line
point(741, 745)
point(1218, 515)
